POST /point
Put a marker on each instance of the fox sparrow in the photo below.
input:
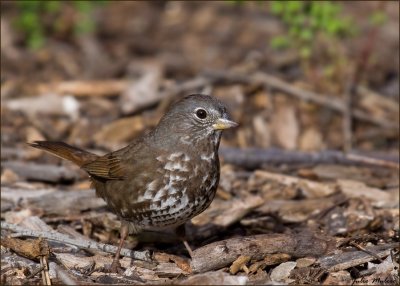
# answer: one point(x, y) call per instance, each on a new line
point(164, 178)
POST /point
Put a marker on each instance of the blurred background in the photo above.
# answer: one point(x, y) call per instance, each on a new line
point(93, 72)
point(298, 76)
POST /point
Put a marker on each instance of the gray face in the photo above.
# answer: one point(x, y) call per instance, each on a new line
point(195, 118)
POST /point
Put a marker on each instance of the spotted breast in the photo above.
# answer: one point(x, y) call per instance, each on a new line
point(182, 186)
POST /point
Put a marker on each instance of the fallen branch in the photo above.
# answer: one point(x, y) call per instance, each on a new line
point(222, 253)
point(351, 90)
point(85, 244)
point(42, 172)
point(54, 202)
point(278, 84)
point(253, 158)
point(346, 260)
point(86, 88)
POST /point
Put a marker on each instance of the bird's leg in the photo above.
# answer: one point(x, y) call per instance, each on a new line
point(181, 233)
point(124, 231)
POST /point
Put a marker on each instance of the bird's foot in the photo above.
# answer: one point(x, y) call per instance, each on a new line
point(188, 248)
point(115, 267)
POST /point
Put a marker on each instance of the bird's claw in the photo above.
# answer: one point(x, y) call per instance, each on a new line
point(115, 267)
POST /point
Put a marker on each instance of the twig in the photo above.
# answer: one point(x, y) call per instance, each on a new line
point(364, 160)
point(278, 84)
point(33, 274)
point(253, 158)
point(85, 244)
point(352, 88)
point(352, 243)
point(45, 271)
point(44, 254)
point(347, 118)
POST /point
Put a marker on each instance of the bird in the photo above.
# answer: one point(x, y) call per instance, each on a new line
point(163, 178)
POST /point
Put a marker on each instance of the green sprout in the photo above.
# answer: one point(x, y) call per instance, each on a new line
point(305, 20)
point(32, 13)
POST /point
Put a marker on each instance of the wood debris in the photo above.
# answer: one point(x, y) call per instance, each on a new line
point(309, 185)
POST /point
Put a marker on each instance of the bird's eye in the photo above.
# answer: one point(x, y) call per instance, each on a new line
point(201, 113)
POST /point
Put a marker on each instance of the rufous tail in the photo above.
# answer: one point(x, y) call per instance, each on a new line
point(60, 149)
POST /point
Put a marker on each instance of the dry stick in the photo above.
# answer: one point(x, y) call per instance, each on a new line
point(42, 172)
point(222, 253)
point(56, 236)
point(33, 274)
point(45, 271)
point(364, 160)
point(347, 118)
point(278, 84)
point(352, 243)
point(351, 89)
point(253, 158)
point(350, 259)
point(87, 88)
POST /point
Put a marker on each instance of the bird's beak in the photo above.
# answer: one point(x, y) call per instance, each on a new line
point(223, 123)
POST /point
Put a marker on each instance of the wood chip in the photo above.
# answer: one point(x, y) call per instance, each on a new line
point(379, 198)
point(238, 264)
point(285, 127)
point(181, 262)
point(79, 263)
point(276, 258)
point(305, 262)
point(215, 278)
point(116, 134)
point(222, 253)
point(346, 260)
point(281, 273)
point(9, 176)
point(225, 213)
point(86, 88)
point(26, 248)
point(310, 189)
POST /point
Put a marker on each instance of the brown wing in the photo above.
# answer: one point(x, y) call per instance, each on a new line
point(141, 167)
point(107, 167)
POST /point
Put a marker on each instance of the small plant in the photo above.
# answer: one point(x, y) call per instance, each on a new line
point(306, 20)
point(33, 15)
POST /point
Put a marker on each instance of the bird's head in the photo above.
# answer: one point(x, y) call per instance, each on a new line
point(195, 118)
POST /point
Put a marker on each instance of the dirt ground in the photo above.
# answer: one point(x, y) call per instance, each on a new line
point(309, 188)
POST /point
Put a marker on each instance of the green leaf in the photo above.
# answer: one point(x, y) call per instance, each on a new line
point(36, 40)
point(279, 42)
point(29, 21)
point(378, 18)
point(277, 7)
point(294, 31)
point(83, 6)
point(85, 25)
point(305, 52)
point(294, 6)
point(52, 6)
point(27, 5)
point(306, 35)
